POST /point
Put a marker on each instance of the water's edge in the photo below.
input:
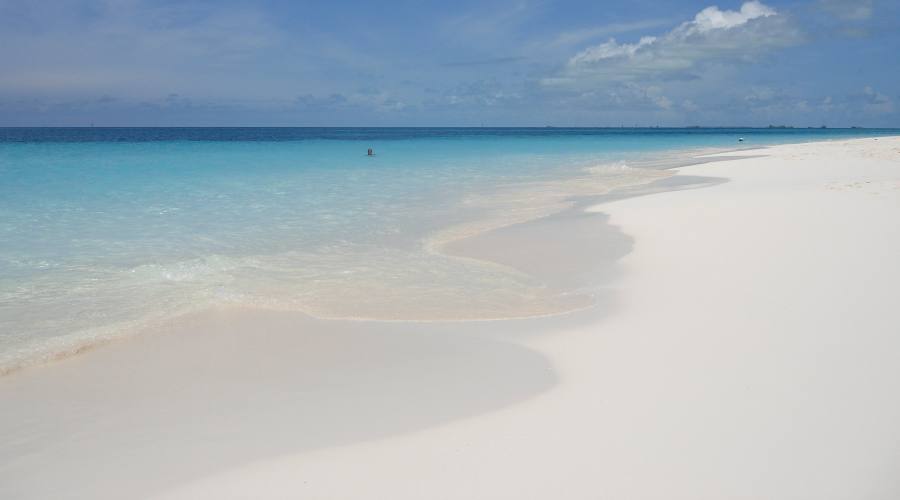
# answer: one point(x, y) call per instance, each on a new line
point(584, 273)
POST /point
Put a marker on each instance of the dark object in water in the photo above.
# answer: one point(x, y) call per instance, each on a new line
point(370, 153)
point(740, 139)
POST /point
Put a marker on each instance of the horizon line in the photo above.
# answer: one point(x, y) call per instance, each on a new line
point(585, 127)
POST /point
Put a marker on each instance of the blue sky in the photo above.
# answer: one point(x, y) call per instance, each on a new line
point(450, 63)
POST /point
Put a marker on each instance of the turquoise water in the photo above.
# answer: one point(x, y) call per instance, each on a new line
point(106, 231)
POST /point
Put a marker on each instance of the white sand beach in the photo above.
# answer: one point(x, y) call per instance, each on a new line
point(748, 347)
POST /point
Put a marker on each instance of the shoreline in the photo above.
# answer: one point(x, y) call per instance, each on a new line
point(466, 247)
point(675, 380)
point(570, 205)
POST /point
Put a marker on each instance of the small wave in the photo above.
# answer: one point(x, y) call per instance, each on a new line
point(213, 266)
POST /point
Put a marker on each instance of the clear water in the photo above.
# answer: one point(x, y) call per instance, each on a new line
point(104, 231)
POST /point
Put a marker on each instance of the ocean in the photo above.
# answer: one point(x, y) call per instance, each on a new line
point(105, 232)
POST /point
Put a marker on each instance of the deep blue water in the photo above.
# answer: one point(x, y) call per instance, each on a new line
point(106, 230)
point(240, 134)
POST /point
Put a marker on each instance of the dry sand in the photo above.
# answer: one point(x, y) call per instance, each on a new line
point(749, 348)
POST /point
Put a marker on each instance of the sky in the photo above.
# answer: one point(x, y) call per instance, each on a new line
point(450, 63)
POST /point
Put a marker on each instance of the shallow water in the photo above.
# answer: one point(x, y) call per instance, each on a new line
point(104, 231)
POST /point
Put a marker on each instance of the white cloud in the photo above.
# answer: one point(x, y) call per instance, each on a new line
point(575, 37)
point(875, 102)
point(485, 93)
point(610, 50)
point(756, 95)
point(663, 102)
point(712, 18)
point(631, 95)
point(714, 35)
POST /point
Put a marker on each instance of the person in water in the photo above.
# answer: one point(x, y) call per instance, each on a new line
point(370, 153)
